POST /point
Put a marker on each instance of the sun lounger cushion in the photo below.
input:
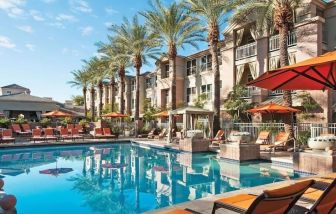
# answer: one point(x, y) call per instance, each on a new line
point(178, 211)
point(242, 201)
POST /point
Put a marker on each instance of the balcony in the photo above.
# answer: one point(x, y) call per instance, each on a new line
point(246, 51)
point(274, 43)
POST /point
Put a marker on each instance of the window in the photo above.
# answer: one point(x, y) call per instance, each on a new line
point(190, 93)
point(207, 90)
point(191, 67)
point(133, 85)
point(167, 97)
point(206, 63)
point(165, 71)
point(133, 103)
point(8, 92)
point(148, 82)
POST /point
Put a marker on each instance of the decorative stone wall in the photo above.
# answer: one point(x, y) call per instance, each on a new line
point(194, 145)
point(240, 152)
point(314, 162)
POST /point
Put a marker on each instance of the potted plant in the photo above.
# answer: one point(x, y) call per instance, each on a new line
point(20, 119)
point(4, 123)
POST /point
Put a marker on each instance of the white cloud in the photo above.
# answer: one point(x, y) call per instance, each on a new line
point(30, 47)
point(81, 6)
point(111, 11)
point(70, 51)
point(86, 31)
point(26, 28)
point(36, 15)
point(5, 42)
point(64, 17)
point(108, 24)
point(12, 7)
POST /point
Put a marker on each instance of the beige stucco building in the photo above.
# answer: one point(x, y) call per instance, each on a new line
point(244, 55)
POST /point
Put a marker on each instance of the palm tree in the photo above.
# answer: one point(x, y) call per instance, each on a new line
point(141, 44)
point(213, 13)
point(81, 80)
point(175, 29)
point(280, 15)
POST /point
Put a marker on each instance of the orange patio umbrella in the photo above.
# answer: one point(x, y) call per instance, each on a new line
point(161, 114)
point(57, 113)
point(114, 115)
point(273, 108)
point(318, 73)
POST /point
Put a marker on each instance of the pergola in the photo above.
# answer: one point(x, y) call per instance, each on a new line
point(190, 115)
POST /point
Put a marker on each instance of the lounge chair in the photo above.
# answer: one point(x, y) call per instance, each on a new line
point(107, 133)
point(275, 201)
point(64, 134)
point(76, 135)
point(218, 138)
point(79, 127)
point(281, 142)
point(26, 128)
point(70, 126)
point(37, 135)
point(98, 133)
point(182, 211)
point(151, 134)
point(49, 134)
point(17, 129)
point(161, 135)
point(263, 138)
point(7, 136)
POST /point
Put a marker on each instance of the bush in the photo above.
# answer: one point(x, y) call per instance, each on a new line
point(83, 122)
point(20, 119)
point(45, 122)
point(4, 123)
point(303, 137)
point(65, 121)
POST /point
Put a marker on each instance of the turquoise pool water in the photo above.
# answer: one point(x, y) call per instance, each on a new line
point(121, 178)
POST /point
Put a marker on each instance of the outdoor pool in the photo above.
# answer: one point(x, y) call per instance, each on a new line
point(121, 178)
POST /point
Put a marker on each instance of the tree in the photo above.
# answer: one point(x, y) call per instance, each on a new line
point(268, 14)
point(81, 79)
point(78, 100)
point(213, 13)
point(175, 28)
point(141, 44)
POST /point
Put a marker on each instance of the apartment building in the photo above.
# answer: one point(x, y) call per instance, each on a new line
point(244, 55)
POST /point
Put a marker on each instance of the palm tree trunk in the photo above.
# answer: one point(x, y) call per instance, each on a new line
point(137, 101)
point(122, 90)
point(100, 107)
point(172, 65)
point(84, 96)
point(92, 91)
point(112, 94)
point(283, 36)
point(213, 40)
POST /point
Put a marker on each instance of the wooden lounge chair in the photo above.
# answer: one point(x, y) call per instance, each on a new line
point(275, 201)
point(107, 133)
point(324, 201)
point(26, 128)
point(17, 129)
point(49, 134)
point(161, 135)
point(218, 138)
point(263, 138)
point(64, 134)
point(182, 211)
point(76, 135)
point(37, 135)
point(281, 142)
point(7, 136)
point(151, 134)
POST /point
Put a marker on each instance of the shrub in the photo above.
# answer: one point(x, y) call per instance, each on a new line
point(83, 122)
point(20, 119)
point(45, 122)
point(65, 121)
point(303, 137)
point(4, 123)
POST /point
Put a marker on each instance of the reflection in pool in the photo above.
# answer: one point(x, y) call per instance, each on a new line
point(121, 178)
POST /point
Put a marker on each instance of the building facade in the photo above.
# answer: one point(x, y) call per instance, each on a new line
point(244, 55)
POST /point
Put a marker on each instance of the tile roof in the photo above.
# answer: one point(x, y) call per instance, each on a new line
point(15, 86)
point(23, 97)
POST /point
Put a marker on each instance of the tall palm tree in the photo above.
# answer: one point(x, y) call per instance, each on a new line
point(213, 13)
point(268, 14)
point(175, 29)
point(81, 79)
point(142, 44)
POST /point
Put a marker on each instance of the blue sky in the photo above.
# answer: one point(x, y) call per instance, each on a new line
point(41, 41)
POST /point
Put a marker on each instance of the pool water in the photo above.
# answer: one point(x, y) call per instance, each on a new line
point(121, 178)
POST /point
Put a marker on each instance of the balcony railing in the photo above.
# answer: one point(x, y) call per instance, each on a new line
point(274, 42)
point(246, 51)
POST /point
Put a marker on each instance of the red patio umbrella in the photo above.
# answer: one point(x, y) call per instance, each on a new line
point(273, 108)
point(114, 115)
point(318, 73)
point(57, 113)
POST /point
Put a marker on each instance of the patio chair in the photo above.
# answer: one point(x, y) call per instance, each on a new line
point(323, 201)
point(218, 138)
point(49, 134)
point(79, 127)
point(263, 138)
point(26, 128)
point(98, 133)
point(37, 135)
point(76, 135)
point(281, 142)
point(161, 135)
point(275, 201)
point(151, 134)
point(17, 129)
point(107, 133)
point(64, 134)
point(7, 136)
